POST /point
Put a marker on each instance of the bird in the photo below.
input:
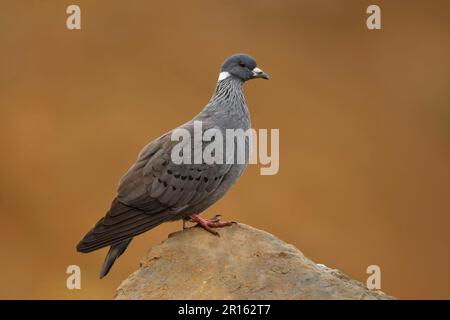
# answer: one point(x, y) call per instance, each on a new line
point(156, 189)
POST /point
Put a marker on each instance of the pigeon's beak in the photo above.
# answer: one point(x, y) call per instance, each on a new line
point(258, 73)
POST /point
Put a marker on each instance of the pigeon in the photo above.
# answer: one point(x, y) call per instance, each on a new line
point(156, 189)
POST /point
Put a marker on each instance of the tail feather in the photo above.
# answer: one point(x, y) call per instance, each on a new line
point(120, 223)
point(117, 228)
point(115, 251)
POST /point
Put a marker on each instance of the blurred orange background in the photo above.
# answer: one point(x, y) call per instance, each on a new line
point(364, 119)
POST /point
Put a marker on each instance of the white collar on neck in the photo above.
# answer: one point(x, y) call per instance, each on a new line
point(223, 75)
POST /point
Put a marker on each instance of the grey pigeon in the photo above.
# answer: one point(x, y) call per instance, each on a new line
point(157, 190)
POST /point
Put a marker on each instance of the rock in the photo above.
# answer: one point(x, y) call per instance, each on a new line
point(243, 263)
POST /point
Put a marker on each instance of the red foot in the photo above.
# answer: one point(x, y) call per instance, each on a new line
point(209, 224)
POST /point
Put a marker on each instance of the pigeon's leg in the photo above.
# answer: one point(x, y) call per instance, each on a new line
point(184, 223)
point(210, 224)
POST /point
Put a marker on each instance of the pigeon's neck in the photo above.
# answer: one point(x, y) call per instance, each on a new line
point(229, 88)
point(228, 85)
point(228, 97)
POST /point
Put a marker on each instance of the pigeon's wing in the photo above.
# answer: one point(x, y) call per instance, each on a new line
point(153, 191)
point(155, 183)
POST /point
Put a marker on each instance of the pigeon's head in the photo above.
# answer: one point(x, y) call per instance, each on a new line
point(241, 66)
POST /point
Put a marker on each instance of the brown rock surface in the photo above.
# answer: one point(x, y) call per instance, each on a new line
point(243, 263)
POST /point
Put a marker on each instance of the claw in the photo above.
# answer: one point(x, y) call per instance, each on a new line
point(216, 218)
point(209, 224)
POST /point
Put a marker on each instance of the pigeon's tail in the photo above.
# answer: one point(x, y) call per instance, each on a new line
point(119, 225)
point(116, 229)
point(114, 252)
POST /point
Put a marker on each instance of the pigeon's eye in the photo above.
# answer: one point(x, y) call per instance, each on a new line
point(242, 64)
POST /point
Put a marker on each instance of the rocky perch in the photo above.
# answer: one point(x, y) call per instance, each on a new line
point(243, 263)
